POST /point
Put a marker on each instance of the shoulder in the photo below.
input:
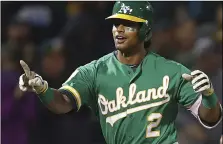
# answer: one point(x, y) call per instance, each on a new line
point(90, 70)
point(105, 59)
point(99, 63)
point(162, 63)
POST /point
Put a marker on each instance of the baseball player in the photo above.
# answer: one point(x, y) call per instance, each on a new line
point(134, 92)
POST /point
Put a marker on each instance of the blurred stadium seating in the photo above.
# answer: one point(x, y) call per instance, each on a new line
point(54, 38)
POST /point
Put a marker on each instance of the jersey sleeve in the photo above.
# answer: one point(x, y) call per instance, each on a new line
point(194, 110)
point(186, 95)
point(80, 85)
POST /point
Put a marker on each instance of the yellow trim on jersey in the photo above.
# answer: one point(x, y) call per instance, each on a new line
point(127, 17)
point(75, 94)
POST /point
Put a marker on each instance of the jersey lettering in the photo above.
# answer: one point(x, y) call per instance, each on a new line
point(134, 98)
point(154, 121)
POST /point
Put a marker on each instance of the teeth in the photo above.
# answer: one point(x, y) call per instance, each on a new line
point(120, 37)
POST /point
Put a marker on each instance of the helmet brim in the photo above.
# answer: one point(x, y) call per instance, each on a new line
point(126, 17)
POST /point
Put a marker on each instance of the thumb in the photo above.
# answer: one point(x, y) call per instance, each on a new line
point(187, 77)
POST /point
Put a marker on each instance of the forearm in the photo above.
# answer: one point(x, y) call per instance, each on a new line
point(210, 114)
point(56, 102)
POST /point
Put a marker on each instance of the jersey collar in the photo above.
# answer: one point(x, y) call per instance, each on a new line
point(149, 54)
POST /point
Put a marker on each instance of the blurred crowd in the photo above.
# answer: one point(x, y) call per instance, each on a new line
point(54, 38)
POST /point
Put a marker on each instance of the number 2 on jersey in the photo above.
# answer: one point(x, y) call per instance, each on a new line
point(154, 120)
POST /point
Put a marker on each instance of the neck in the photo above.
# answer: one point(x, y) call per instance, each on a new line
point(131, 59)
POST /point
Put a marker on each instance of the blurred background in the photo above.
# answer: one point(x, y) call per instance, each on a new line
point(54, 38)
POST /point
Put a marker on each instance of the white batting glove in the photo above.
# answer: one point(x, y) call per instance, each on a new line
point(200, 81)
point(30, 81)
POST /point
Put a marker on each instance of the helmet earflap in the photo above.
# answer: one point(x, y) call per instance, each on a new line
point(145, 32)
point(148, 35)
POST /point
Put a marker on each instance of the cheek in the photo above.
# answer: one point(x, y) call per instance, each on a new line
point(114, 29)
point(130, 29)
point(133, 36)
point(126, 29)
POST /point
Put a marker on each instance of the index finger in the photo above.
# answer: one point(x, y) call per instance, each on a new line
point(25, 68)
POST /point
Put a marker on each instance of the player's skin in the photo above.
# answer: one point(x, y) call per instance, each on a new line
point(221, 140)
point(130, 51)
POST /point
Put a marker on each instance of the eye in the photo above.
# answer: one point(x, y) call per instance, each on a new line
point(116, 24)
point(131, 24)
point(126, 23)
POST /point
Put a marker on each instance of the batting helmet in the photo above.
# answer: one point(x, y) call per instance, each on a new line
point(136, 11)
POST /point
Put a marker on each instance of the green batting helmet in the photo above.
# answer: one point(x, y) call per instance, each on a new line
point(136, 11)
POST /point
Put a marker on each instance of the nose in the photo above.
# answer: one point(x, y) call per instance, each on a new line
point(120, 28)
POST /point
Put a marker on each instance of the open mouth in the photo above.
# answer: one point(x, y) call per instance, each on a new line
point(120, 39)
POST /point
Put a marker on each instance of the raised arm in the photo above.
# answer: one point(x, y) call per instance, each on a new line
point(53, 99)
point(79, 89)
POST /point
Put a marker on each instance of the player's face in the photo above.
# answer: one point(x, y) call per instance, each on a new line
point(125, 34)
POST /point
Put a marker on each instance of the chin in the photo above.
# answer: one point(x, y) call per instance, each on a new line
point(123, 50)
point(121, 47)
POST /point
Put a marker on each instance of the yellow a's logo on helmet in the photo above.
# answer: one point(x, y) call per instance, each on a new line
point(125, 9)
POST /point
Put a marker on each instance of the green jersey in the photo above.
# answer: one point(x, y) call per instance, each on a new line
point(134, 106)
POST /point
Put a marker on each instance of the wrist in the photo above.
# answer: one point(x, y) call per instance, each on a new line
point(209, 92)
point(209, 101)
point(41, 89)
point(47, 96)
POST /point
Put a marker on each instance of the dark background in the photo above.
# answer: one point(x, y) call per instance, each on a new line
point(54, 38)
